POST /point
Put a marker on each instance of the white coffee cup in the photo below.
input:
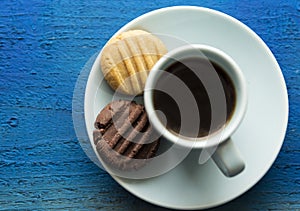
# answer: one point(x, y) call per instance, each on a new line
point(218, 143)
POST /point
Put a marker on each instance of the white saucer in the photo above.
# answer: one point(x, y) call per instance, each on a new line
point(259, 138)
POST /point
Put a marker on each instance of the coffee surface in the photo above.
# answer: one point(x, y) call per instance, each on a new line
point(196, 96)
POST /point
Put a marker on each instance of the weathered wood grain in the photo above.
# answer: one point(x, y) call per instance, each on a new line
point(44, 45)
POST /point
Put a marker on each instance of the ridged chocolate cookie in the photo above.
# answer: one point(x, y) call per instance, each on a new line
point(123, 136)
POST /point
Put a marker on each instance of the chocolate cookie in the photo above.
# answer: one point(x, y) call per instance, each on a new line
point(124, 137)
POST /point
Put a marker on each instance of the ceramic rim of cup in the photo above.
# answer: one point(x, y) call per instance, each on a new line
point(239, 82)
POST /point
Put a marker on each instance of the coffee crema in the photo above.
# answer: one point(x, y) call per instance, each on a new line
point(205, 80)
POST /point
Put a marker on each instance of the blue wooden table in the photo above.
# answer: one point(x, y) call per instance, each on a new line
point(43, 47)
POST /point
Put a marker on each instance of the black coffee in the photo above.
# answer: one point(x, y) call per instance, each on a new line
point(196, 96)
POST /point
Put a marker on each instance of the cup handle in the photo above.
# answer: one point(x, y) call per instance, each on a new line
point(228, 159)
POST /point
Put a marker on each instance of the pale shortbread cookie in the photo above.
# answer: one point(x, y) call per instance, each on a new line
point(127, 59)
